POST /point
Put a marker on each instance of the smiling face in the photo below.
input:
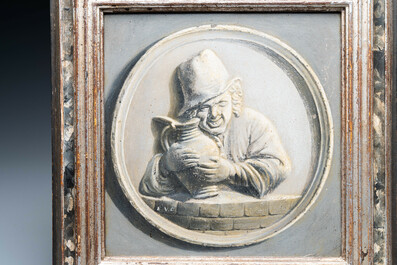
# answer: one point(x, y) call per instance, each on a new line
point(215, 114)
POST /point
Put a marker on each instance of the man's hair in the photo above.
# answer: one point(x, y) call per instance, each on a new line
point(236, 92)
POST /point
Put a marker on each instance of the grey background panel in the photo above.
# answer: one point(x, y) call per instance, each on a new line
point(314, 36)
point(25, 135)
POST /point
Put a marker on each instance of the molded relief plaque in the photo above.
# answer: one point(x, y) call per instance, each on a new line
point(241, 135)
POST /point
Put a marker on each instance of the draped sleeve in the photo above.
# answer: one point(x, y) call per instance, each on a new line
point(262, 163)
point(153, 182)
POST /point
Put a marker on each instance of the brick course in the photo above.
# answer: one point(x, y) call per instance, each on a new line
point(222, 218)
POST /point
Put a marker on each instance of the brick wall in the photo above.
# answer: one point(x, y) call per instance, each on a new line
point(222, 218)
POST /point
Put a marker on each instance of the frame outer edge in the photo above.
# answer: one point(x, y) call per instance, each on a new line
point(63, 155)
point(389, 13)
point(57, 136)
point(85, 238)
point(382, 57)
point(389, 38)
point(393, 131)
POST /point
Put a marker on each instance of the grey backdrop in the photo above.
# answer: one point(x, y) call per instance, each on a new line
point(25, 133)
point(317, 38)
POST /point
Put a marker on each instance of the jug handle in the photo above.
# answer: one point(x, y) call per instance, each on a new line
point(165, 143)
point(164, 136)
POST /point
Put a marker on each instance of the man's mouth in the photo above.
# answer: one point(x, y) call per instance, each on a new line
point(216, 122)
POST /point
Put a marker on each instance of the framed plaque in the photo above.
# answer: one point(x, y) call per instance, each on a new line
point(235, 132)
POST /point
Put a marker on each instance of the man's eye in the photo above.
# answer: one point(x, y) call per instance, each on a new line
point(223, 103)
point(203, 108)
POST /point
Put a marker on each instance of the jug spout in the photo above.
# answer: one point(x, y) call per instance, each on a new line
point(166, 121)
point(175, 124)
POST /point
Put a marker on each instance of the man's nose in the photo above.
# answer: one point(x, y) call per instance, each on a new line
point(214, 111)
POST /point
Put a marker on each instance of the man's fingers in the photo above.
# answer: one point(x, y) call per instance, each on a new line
point(208, 171)
point(188, 150)
point(209, 177)
point(212, 180)
point(190, 156)
point(209, 165)
point(191, 160)
point(214, 158)
point(191, 164)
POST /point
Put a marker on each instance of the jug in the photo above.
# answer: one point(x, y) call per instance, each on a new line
point(189, 135)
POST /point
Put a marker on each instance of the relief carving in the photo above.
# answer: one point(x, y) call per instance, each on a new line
point(220, 144)
point(222, 136)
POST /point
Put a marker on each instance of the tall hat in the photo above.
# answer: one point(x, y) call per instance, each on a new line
point(202, 78)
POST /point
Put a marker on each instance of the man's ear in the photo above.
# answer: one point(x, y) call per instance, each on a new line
point(236, 82)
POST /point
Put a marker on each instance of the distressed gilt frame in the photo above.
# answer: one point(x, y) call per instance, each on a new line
point(78, 126)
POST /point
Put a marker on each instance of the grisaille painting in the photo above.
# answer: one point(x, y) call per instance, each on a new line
point(219, 136)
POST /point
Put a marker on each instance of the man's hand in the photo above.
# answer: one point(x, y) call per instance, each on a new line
point(217, 170)
point(178, 158)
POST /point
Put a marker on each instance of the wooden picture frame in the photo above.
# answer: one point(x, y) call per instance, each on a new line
point(78, 127)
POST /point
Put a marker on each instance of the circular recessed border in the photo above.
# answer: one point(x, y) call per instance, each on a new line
point(276, 48)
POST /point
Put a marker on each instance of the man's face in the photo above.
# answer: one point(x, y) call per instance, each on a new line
point(215, 114)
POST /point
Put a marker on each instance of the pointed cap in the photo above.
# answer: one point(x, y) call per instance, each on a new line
point(202, 77)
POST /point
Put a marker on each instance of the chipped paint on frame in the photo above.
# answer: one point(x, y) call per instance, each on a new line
point(381, 134)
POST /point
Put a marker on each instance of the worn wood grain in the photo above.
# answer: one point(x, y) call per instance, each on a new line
point(393, 128)
point(221, 261)
point(63, 132)
point(56, 133)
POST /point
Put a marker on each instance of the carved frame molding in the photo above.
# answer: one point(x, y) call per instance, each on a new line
point(78, 126)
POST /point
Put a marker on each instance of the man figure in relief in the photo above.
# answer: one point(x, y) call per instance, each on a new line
point(252, 161)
